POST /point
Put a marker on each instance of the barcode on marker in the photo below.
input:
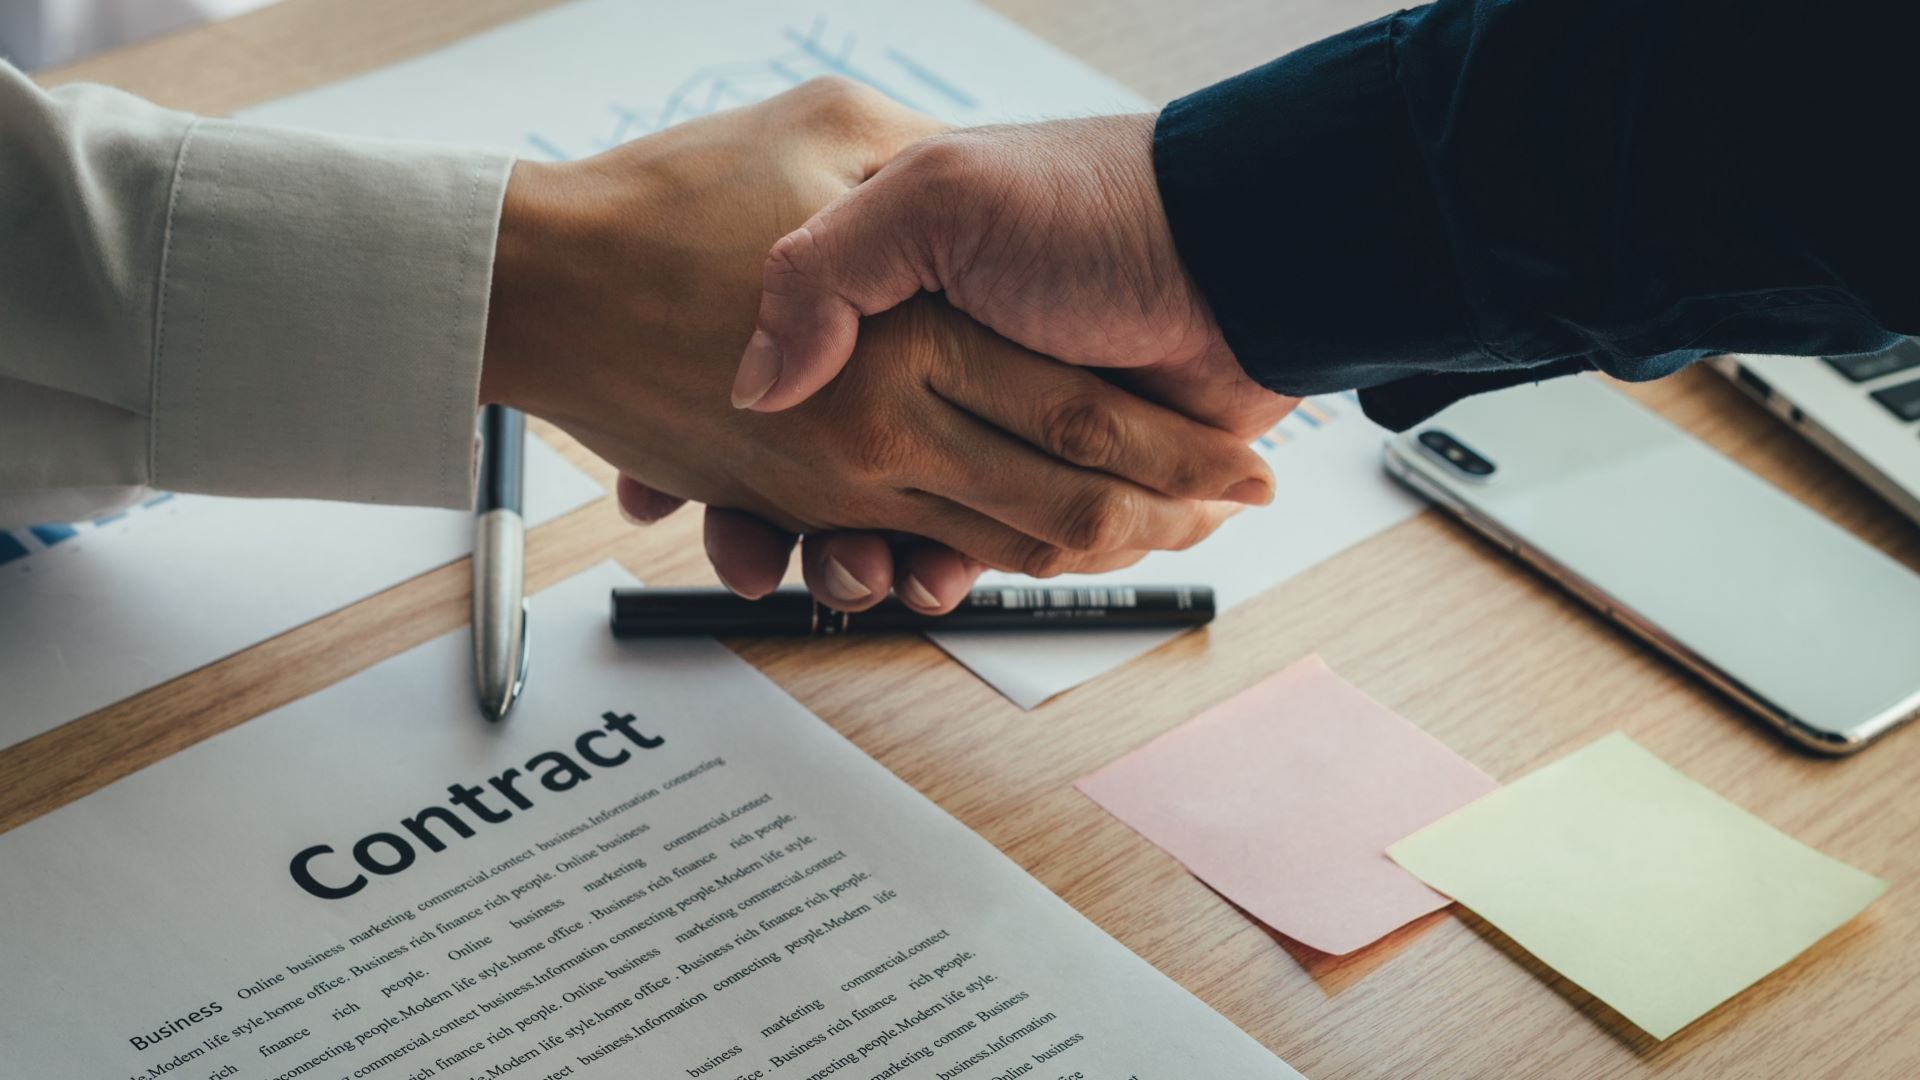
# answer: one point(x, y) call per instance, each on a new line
point(1104, 597)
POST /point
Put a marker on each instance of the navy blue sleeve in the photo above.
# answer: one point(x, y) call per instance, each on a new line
point(1479, 193)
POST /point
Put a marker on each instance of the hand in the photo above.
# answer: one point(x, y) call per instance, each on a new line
point(1051, 234)
point(750, 556)
point(624, 285)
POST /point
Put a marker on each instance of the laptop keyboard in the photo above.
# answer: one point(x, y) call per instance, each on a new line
point(1903, 398)
point(1878, 439)
point(1902, 401)
point(1866, 367)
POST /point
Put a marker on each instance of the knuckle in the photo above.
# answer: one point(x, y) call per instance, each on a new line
point(823, 89)
point(840, 102)
point(1185, 477)
point(1199, 525)
point(1082, 430)
point(786, 261)
point(1102, 519)
point(938, 158)
point(1043, 560)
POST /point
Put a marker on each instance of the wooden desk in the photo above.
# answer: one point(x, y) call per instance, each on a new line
point(1486, 657)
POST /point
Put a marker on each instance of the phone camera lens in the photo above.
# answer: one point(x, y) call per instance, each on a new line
point(1455, 453)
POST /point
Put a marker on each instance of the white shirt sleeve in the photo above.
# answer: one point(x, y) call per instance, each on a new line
point(199, 305)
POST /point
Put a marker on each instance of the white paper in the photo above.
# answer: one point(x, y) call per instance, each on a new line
point(674, 905)
point(1329, 494)
point(592, 74)
point(94, 612)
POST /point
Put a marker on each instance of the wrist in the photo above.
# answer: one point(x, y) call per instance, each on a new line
point(528, 258)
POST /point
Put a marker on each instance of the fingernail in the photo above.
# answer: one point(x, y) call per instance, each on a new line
point(759, 370)
point(730, 586)
point(916, 594)
point(734, 589)
point(1250, 493)
point(842, 584)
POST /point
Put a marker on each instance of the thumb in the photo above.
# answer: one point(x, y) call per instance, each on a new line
point(859, 256)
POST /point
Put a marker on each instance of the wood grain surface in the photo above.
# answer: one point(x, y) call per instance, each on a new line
point(1470, 646)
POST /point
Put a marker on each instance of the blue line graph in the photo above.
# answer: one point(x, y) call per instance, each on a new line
point(541, 144)
point(932, 81)
point(817, 50)
point(838, 64)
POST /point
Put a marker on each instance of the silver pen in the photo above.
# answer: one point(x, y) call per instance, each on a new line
point(499, 564)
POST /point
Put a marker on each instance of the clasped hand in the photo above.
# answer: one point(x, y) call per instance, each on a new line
point(626, 284)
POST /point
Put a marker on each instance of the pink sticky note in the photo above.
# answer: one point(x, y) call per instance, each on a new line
point(1284, 799)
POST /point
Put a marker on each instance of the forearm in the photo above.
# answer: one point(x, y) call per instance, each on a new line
point(1478, 193)
point(207, 306)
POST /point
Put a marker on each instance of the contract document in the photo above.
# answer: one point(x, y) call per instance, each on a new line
point(662, 866)
point(95, 611)
point(587, 76)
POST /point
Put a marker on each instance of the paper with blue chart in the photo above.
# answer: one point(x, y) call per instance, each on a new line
point(583, 77)
point(98, 611)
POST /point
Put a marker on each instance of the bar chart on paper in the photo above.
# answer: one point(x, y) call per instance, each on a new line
point(22, 543)
point(1312, 415)
point(95, 611)
point(593, 74)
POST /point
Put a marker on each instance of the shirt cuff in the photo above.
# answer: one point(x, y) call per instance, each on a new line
point(322, 315)
point(1299, 202)
point(1402, 403)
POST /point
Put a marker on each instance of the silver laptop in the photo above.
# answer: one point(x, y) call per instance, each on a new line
point(1863, 410)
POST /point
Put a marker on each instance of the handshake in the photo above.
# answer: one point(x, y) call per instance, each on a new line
point(912, 440)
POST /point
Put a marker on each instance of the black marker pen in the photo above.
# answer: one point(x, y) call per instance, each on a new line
point(639, 613)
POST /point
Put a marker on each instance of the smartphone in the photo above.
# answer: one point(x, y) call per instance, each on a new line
point(1810, 628)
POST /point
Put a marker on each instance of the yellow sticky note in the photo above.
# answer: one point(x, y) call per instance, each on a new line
point(1656, 895)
